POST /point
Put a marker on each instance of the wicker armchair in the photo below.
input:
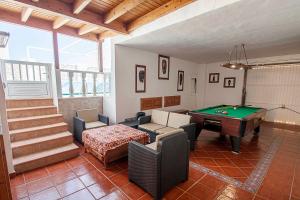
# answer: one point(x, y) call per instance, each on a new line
point(87, 119)
point(153, 168)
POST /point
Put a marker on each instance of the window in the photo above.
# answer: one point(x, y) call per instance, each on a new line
point(77, 54)
point(27, 44)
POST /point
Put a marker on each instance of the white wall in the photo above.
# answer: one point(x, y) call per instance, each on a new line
point(267, 88)
point(128, 102)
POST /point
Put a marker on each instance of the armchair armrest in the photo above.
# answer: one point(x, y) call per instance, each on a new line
point(130, 119)
point(190, 129)
point(79, 127)
point(103, 119)
point(144, 120)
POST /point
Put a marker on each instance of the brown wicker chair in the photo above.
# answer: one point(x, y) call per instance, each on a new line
point(154, 170)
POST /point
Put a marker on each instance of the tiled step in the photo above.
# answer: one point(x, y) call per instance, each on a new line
point(27, 122)
point(44, 158)
point(21, 103)
point(38, 131)
point(39, 144)
point(30, 111)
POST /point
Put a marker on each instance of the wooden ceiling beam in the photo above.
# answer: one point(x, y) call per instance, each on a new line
point(63, 9)
point(87, 28)
point(59, 22)
point(25, 14)
point(106, 34)
point(79, 5)
point(157, 13)
point(38, 23)
point(121, 9)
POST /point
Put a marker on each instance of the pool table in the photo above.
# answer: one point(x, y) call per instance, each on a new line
point(235, 121)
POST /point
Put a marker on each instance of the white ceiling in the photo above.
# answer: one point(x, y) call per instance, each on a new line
point(267, 27)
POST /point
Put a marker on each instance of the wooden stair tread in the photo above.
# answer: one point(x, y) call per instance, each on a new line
point(43, 154)
point(40, 139)
point(29, 108)
point(36, 128)
point(33, 117)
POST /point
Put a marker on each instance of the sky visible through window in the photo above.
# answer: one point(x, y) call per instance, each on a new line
point(34, 45)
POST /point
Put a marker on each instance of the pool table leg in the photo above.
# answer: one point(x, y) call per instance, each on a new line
point(235, 143)
point(256, 131)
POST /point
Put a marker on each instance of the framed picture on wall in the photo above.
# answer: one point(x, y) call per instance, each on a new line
point(214, 77)
point(163, 67)
point(180, 80)
point(229, 82)
point(140, 78)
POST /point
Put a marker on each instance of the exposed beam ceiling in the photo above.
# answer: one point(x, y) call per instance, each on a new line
point(87, 28)
point(157, 13)
point(106, 34)
point(59, 22)
point(121, 9)
point(26, 12)
point(43, 24)
point(65, 10)
point(79, 5)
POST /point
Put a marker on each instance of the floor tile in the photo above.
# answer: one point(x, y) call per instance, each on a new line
point(174, 193)
point(120, 179)
point(63, 177)
point(201, 191)
point(19, 192)
point(212, 182)
point(58, 168)
point(83, 169)
point(82, 194)
point(187, 196)
point(92, 177)
point(115, 195)
point(101, 189)
point(39, 185)
point(35, 174)
point(48, 194)
point(69, 187)
point(75, 162)
point(233, 172)
point(132, 191)
point(17, 180)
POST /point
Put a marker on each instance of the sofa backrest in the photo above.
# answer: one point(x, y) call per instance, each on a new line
point(88, 115)
point(177, 120)
point(159, 117)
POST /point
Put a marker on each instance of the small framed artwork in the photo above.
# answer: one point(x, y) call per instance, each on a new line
point(163, 67)
point(180, 80)
point(140, 78)
point(214, 77)
point(229, 82)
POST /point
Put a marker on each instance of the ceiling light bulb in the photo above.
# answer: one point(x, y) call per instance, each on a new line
point(233, 66)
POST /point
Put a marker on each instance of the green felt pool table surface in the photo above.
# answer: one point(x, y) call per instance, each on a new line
point(239, 112)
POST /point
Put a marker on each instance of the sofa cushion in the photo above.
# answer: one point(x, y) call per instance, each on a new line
point(96, 124)
point(177, 120)
point(88, 115)
point(152, 145)
point(159, 117)
point(151, 126)
point(161, 136)
point(168, 129)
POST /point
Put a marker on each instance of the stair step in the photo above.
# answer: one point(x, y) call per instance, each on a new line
point(30, 111)
point(20, 103)
point(38, 131)
point(48, 157)
point(27, 122)
point(25, 147)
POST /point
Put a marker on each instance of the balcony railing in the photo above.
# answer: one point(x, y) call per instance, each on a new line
point(75, 83)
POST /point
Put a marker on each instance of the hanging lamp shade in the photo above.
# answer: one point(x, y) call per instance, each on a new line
point(3, 39)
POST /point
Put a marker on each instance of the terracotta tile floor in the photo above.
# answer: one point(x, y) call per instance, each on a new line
point(85, 178)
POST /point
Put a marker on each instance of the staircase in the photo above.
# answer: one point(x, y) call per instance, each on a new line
point(39, 136)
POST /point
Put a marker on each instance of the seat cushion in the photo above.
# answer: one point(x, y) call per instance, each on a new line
point(152, 145)
point(168, 129)
point(159, 117)
point(160, 136)
point(177, 120)
point(96, 124)
point(151, 126)
point(88, 115)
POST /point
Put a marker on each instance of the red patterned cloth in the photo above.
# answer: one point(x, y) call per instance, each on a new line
point(111, 137)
